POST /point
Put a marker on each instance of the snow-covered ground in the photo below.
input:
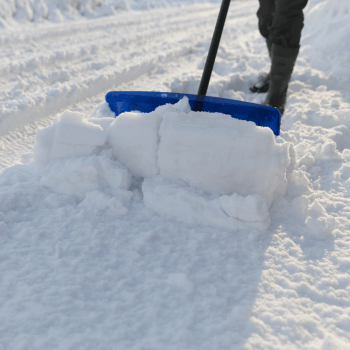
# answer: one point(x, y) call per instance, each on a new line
point(170, 230)
point(37, 11)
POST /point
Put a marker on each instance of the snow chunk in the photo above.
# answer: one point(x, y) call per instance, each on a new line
point(222, 155)
point(328, 150)
point(320, 224)
point(134, 137)
point(71, 163)
point(70, 136)
point(77, 176)
point(213, 169)
point(135, 140)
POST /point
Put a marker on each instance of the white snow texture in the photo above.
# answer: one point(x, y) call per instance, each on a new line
point(12, 11)
point(171, 229)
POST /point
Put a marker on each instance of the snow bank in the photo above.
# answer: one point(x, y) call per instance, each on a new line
point(198, 167)
point(61, 10)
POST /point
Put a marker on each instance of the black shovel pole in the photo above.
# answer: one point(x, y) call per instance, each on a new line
point(215, 41)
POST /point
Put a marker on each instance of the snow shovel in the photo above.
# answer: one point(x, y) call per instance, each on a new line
point(127, 101)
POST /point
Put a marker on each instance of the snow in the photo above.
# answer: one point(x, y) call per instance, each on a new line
point(71, 136)
point(185, 204)
point(134, 138)
point(177, 152)
point(222, 155)
point(171, 229)
point(12, 11)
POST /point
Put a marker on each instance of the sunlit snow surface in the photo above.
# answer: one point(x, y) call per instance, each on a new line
point(92, 256)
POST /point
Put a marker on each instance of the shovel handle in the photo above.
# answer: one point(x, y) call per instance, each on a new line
point(215, 41)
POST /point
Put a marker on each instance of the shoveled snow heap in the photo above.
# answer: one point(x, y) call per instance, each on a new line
point(197, 167)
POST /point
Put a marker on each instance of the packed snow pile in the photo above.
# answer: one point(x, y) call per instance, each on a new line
point(61, 10)
point(71, 164)
point(197, 167)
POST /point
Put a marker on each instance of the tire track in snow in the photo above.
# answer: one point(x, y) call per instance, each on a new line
point(61, 62)
point(64, 65)
point(98, 43)
point(51, 98)
point(48, 31)
point(83, 73)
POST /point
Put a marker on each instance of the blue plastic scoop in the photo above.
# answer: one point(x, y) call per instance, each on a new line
point(128, 101)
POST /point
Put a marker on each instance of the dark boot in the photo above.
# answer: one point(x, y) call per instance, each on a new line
point(263, 83)
point(282, 64)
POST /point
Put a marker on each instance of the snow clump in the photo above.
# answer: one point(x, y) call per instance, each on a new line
point(72, 161)
point(198, 167)
point(202, 167)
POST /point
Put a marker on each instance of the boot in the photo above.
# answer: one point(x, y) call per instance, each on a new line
point(282, 64)
point(263, 83)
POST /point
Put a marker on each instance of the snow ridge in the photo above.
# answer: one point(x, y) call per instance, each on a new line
point(169, 148)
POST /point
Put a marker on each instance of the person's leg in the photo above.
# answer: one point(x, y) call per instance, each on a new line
point(287, 23)
point(282, 64)
point(285, 33)
point(265, 17)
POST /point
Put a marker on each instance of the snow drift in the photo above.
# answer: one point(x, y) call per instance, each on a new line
point(198, 167)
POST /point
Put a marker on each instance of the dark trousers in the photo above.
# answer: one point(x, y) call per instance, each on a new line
point(281, 21)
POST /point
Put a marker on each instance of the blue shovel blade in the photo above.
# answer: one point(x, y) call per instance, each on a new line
point(127, 101)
